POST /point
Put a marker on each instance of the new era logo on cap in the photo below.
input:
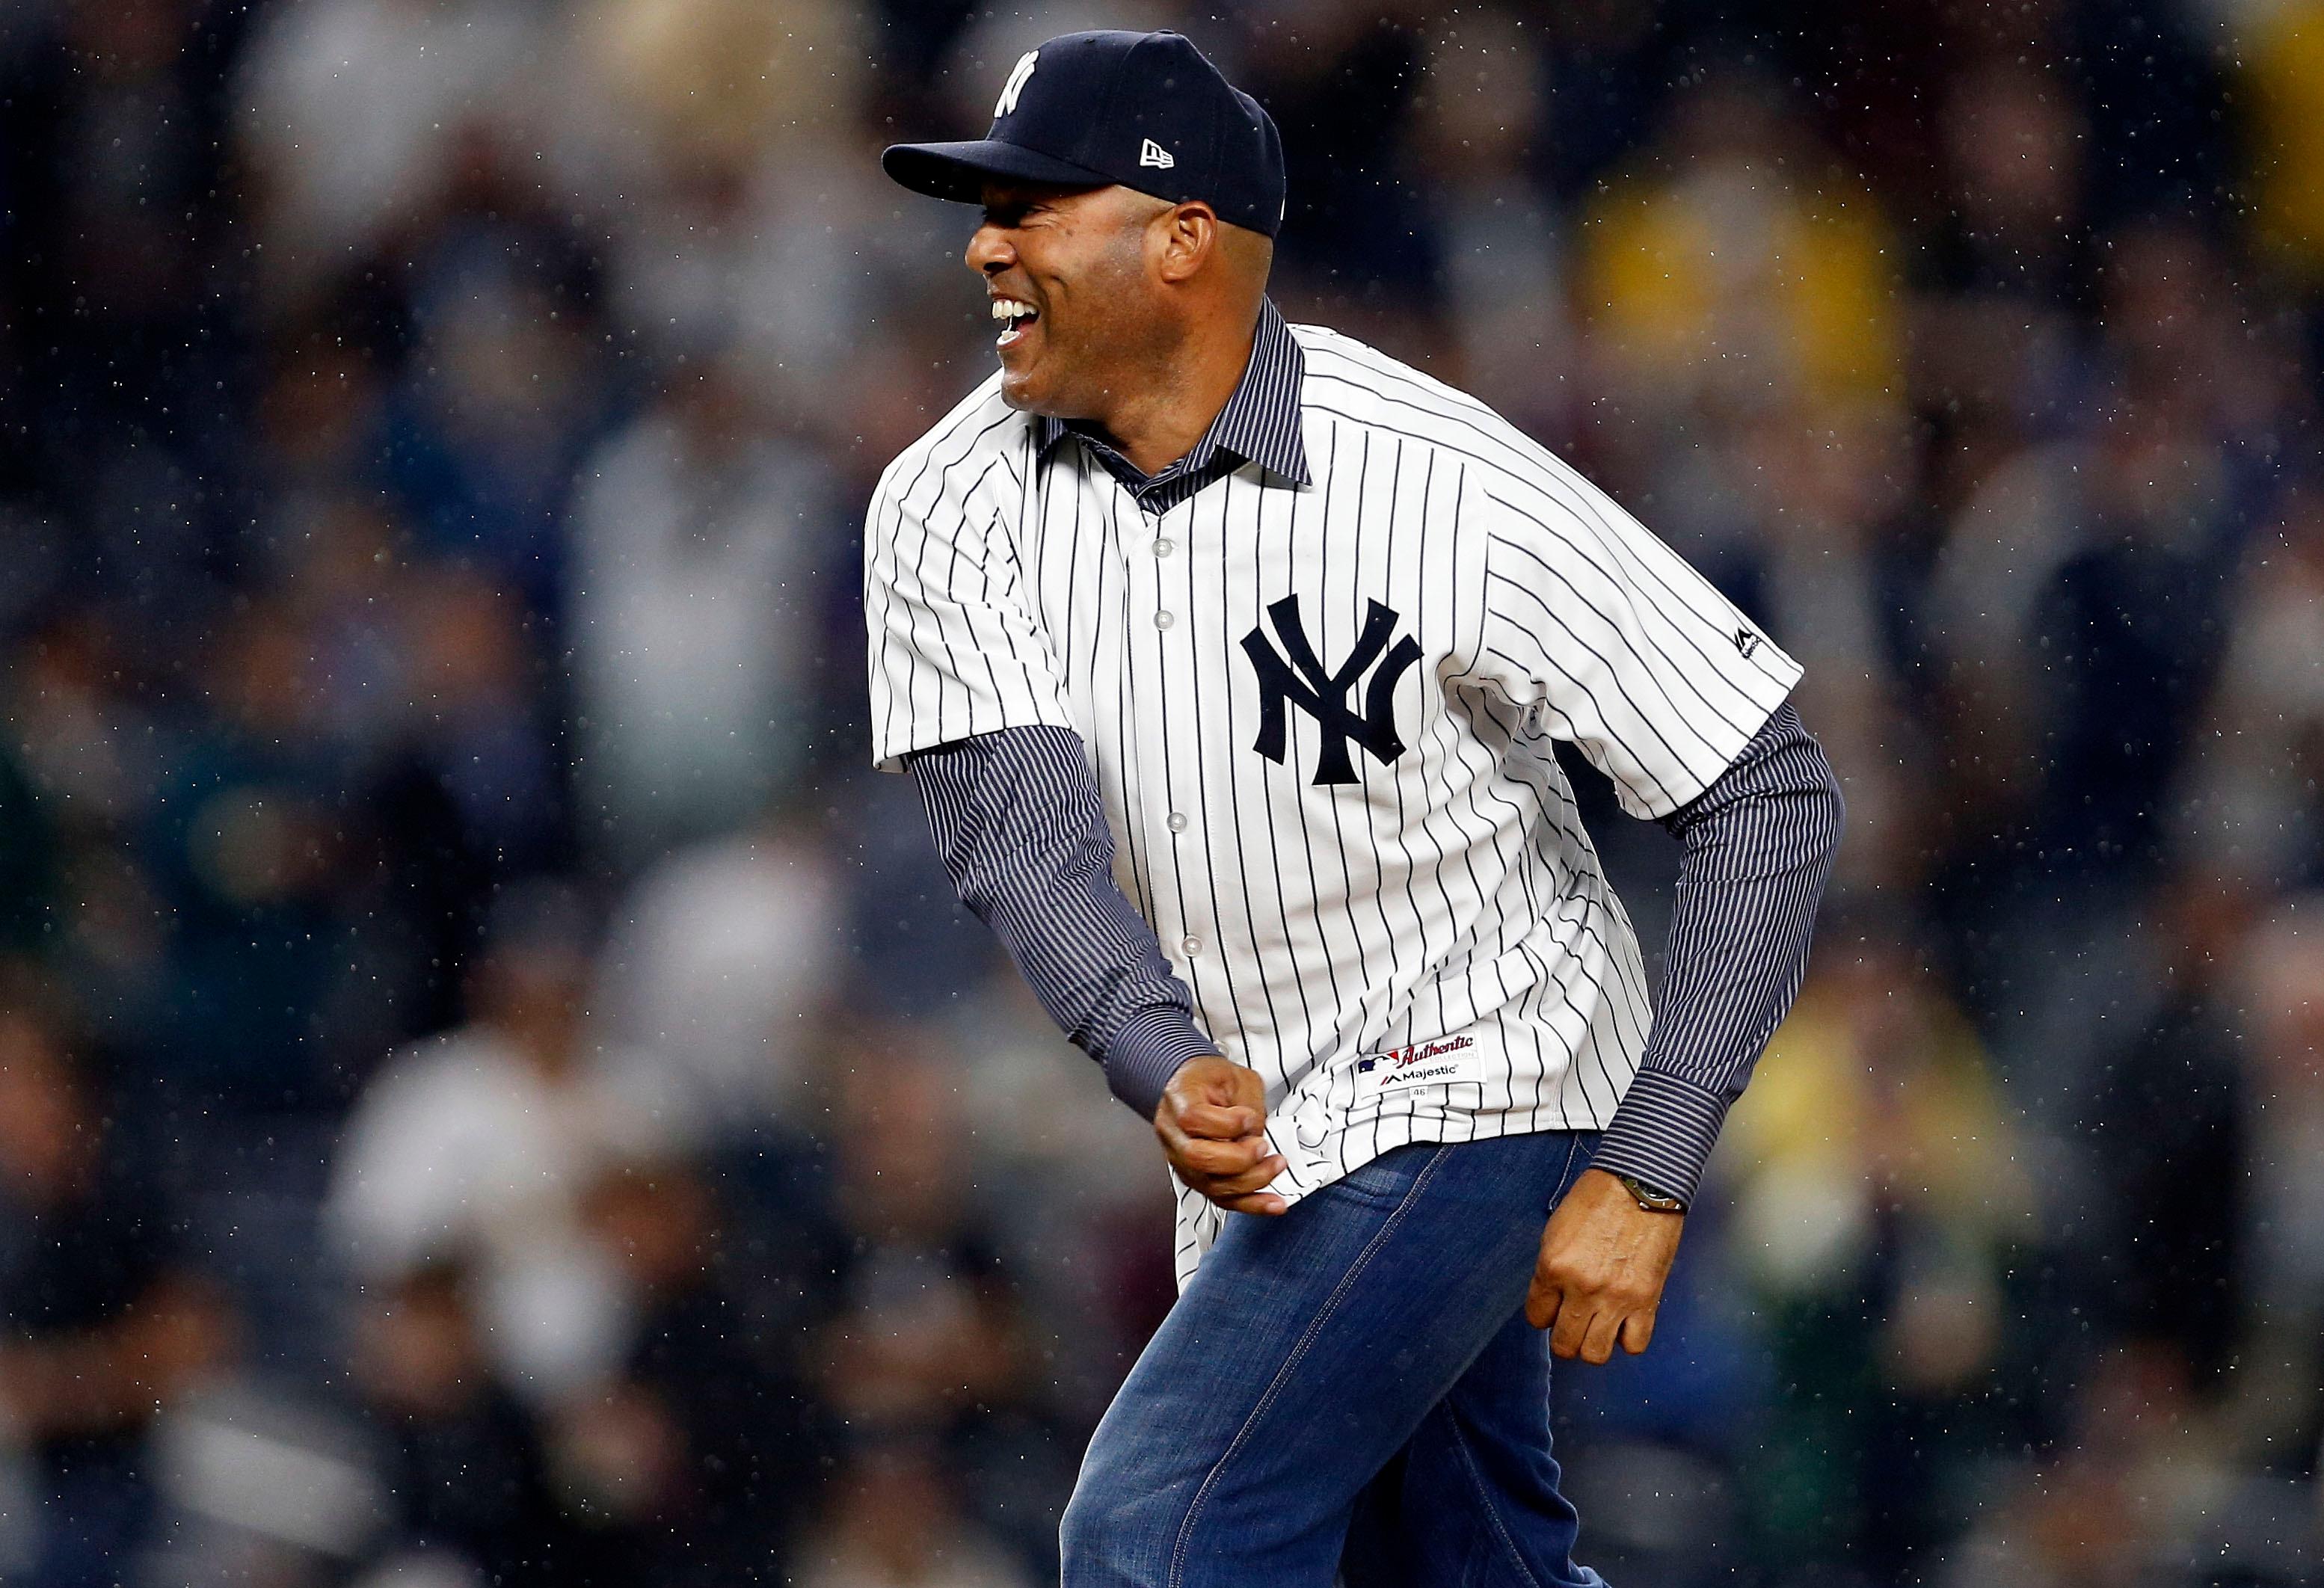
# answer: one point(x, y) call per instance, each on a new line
point(1154, 154)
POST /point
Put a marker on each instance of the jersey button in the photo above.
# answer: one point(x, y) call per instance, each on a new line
point(1191, 946)
point(1177, 821)
point(1163, 620)
point(1163, 548)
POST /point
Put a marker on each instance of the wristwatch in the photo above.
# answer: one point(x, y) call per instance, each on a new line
point(1648, 1198)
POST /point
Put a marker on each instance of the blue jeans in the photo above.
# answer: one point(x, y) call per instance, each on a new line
point(1350, 1387)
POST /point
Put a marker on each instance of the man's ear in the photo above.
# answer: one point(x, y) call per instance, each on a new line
point(1186, 236)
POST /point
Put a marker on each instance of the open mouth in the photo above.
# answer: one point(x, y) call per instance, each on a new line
point(1016, 317)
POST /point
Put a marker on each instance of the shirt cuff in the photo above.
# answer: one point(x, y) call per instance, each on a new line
point(1662, 1132)
point(1148, 1051)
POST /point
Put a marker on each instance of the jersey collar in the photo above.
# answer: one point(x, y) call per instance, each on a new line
point(1260, 424)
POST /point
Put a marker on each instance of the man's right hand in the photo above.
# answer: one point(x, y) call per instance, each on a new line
point(1212, 1121)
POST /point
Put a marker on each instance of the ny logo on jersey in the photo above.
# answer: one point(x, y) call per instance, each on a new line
point(1016, 84)
point(1304, 681)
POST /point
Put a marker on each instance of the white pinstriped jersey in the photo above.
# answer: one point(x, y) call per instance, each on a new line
point(1320, 718)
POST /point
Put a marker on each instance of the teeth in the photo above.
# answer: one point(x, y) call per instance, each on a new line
point(1010, 309)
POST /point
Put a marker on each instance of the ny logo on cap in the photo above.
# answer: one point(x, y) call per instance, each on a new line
point(1153, 153)
point(1303, 681)
point(1015, 83)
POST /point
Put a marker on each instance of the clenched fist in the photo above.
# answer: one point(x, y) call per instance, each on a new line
point(1212, 1122)
point(1599, 1276)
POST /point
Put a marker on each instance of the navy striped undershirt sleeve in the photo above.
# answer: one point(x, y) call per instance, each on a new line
point(1017, 818)
point(1759, 844)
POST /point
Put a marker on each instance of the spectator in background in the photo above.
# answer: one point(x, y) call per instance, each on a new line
point(698, 560)
point(2130, 625)
point(2117, 1505)
point(2074, 617)
point(317, 423)
point(1880, 1190)
point(932, 1337)
point(422, 699)
point(723, 960)
point(2013, 227)
point(2253, 808)
point(250, 853)
point(2280, 1404)
point(897, 1524)
point(703, 1454)
point(471, 721)
point(425, 670)
point(463, 1465)
point(104, 1322)
point(485, 1141)
point(88, 752)
point(1753, 275)
point(1815, 492)
point(349, 588)
point(2016, 521)
point(114, 126)
point(2170, 1112)
point(1504, 253)
point(484, 432)
point(725, 126)
point(352, 109)
point(89, 748)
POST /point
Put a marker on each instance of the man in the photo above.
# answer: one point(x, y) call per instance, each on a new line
point(104, 1320)
point(480, 1144)
point(1294, 626)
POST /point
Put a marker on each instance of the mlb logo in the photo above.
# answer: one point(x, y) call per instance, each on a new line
point(1364, 1066)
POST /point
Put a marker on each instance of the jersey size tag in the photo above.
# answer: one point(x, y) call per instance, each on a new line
point(1444, 1062)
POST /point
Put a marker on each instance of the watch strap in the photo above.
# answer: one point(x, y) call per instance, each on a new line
point(1648, 1198)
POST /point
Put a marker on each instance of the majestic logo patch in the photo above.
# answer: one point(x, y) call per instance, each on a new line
point(1153, 153)
point(1302, 680)
point(1747, 642)
point(1448, 1061)
point(1015, 83)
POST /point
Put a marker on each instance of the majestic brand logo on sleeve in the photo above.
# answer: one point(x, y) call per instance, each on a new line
point(1302, 680)
point(1747, 642)
point(1154, 154)
point(1015, 83)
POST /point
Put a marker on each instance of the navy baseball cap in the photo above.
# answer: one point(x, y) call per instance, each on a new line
point(1089, 110)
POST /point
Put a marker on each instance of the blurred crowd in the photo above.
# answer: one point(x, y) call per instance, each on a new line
point(494, 1090)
